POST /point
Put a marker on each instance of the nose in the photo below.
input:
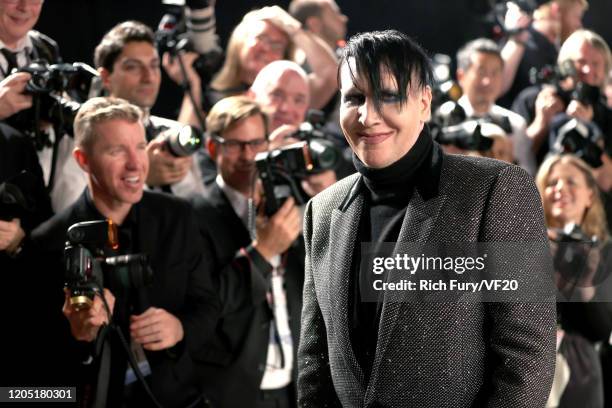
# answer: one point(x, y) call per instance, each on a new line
point(247, 153)
point(147, 73)
point(485, 80)
point(134, 160)
point(368, 115)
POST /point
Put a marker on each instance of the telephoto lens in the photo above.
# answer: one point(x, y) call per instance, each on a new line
point(184, 141)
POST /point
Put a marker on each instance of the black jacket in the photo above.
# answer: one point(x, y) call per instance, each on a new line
point(182, 285)
point(232, 367)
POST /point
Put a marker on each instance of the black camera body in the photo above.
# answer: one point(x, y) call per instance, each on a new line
point(281, 170)
point(450, 126)
point(47, 87)
point(582, 92)
point(88, 270)
point(580, 139)
point(573, 250)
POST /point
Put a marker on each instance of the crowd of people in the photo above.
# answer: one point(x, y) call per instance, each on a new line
point(147, 275)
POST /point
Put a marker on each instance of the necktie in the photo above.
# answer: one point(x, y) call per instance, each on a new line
point(11, 60)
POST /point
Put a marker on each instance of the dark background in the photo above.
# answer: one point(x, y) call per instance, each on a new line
point(439, 25)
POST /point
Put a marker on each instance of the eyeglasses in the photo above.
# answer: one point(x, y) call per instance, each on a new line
point(30, 2)
point(235, 146)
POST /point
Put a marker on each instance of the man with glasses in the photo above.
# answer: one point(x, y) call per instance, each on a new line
point(259, 262)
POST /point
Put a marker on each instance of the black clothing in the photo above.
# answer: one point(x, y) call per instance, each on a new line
point(232, 364)
point(163, 228)
point(428, 354)
point(211, 95)
point(387, 191)
point(539, 52)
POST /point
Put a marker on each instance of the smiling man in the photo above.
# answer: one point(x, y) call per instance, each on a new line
point(166, 327)
point(129, 67)
point(358, 351)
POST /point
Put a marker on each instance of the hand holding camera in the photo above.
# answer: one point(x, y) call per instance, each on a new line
point(164, 167)
point(13, 97)
point(85, 323)
point(276, 233)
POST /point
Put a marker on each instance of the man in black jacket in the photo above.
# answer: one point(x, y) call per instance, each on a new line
point(169, 320)
point(250, 361)
point(362, 351)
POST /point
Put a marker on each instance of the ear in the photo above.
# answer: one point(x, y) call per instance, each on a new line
point(211, 146)
point(81, 158)
point(425, 103)
point(459, 74)
point(105, 77)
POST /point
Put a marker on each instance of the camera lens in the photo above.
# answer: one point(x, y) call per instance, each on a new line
point(324, 154)
point(185, 142)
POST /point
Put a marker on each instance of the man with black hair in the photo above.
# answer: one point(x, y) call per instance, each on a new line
point(479, 73)
point(129, 67)
point(379, 351)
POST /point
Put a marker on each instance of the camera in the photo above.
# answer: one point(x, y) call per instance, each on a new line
point(88, 269)
point(47, 86)
point(183, 141)
point(281, 170)
point(574, 246)
point(580, 139)
point(172, 36)
point(450, 126)
point(581, 92)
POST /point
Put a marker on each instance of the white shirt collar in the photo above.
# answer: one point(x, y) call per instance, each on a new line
point(24, 44)
point(239, 202)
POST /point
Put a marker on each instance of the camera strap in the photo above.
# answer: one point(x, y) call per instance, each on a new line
point(103, 352)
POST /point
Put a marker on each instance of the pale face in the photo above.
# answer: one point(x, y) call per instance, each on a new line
point(482, 80)
point(567, 195)
point(285, 99)
point(265, 43)
point(238, 167)
point(381, 138)
point(16, 19)
point(590, 64)
point(117, 163)
point(136, 75)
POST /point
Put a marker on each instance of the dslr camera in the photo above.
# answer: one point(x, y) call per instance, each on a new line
point(281, 170)
point(48, 86)
point(88, 270)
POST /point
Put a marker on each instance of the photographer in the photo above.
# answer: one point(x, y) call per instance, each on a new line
point(479, 73)
point(169, 320)
point(20, 45)
point(129, 67)
point(590, 58)
point(533, 40)
point(251, 359)
point(281, 88)
point(583, 264)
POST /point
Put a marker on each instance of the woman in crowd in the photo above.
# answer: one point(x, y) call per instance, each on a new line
point(269, 34)
point(580, 244)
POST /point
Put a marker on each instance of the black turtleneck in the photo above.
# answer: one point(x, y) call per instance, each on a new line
point(387, 192)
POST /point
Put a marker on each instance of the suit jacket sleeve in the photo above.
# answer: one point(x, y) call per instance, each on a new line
point(522, 334)
point(315, 386)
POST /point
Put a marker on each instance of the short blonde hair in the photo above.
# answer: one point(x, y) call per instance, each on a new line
point(594, 221)
point(228, 111)
point(101, 109)
point(229, 74)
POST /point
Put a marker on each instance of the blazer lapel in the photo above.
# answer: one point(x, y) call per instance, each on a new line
point(417, 225)
point(343, 235)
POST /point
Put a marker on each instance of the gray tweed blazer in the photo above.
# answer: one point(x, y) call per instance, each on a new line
point(428, 354)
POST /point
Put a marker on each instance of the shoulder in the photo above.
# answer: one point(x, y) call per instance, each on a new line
point(51, 234)
point(45, 44)
point(333, 196)
point(164, 203)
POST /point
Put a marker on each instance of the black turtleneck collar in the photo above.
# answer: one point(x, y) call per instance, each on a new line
point(399, 178)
